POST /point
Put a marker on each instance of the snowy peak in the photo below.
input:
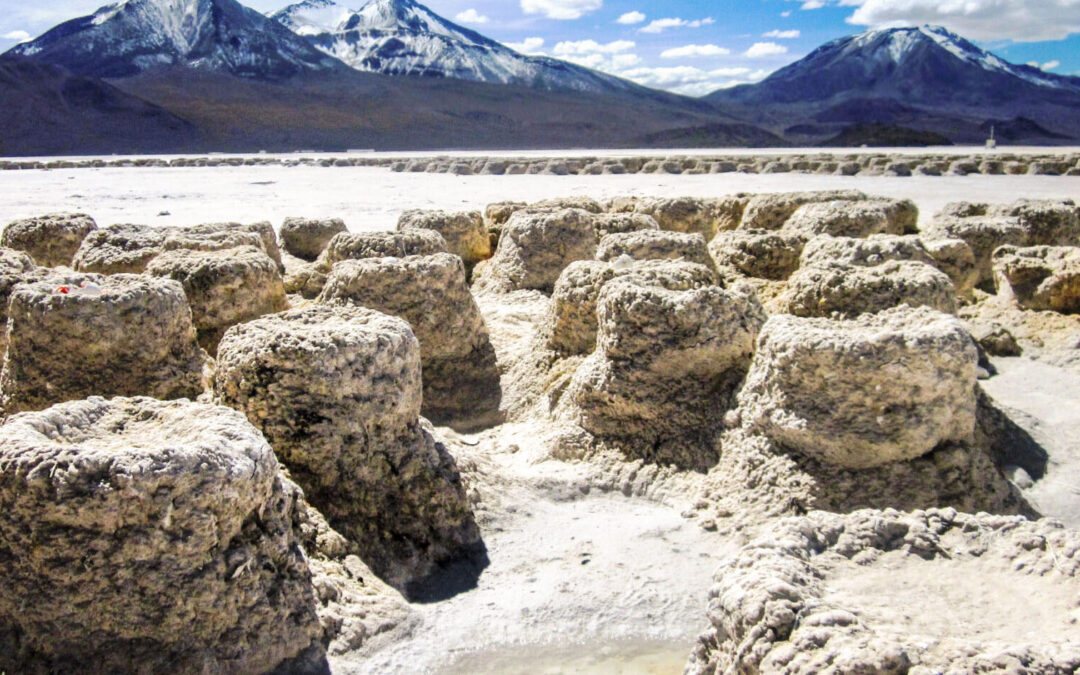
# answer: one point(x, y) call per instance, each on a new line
point(403, 37)
point(126, 38)
point(900, 45)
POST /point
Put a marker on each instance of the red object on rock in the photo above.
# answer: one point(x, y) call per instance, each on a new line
point(63, 290)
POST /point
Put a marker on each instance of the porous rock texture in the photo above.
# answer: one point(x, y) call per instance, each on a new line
point(691, 214)
point(224, 288)
point(955, 258)
point(831, 288)
point(620, 223)
point(125, 335)
point(1041, 278)
point(774, 607)
point(119, 249)
point(571, 327)
point(460, 373)
point(771, 211)
point(336, 390)
point(15, 267)
point(535, 248)
point(762, 254)
point(50, 240)
point(465, 233)
point(665, 370)
point(655, 245)
point(882, 388)
point(359, 245)
point(855, 218)
point(306, 238)
point(147, 536)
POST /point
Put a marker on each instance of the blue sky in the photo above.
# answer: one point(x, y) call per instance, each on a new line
point(696, 46)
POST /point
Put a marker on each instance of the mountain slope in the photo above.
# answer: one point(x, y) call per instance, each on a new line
point(403, 37)
point(45, 110)
point(882, 76)
point(133, 36)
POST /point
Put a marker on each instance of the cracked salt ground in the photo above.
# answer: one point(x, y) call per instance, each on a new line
point(583, 583)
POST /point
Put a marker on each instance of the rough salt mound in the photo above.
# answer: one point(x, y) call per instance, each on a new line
point(498, 213)
point(571, 327)
point(865, 252)
point(336, 390)
point(956, 259)
point(183, 239)
point(882, 388)
point(357, 246)
point(124, 335)
point(224, 288)
point(771, 211)
point(50, 240)
point(306, 238)
point(889, 592)
point(465, 233)
point(1041, 278)
point(665, 369)
point(562, 203)
point(986, 227)
point(830, 289)
point(758, 253)
point(655, 245)
point(119, 249)
point(855, 218)
point(461, 376)
point(690, 214)
point(621, 223)
point(535, 248)
point(145, 536)
point(264, 229)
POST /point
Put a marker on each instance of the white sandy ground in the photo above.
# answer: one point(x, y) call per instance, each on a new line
point(373, 198)
point(580, 580)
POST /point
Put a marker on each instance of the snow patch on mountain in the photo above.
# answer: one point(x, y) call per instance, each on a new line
point(403, 37)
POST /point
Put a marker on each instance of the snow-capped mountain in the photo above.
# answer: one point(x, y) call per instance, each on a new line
point(403, 37)
point(918, 63)
point(129, 37)
point(924, 77)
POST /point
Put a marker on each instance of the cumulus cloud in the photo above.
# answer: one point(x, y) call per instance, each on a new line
point(690, 51)
point(693, 81)
point(782, 34)
point(1049, 65)
point(561, 9)
point(593, 47)
point(760, 50)
point(17, 35)
point(471, 16)
point(530, 45)
point(660, 25)
point(631, 18)
point(983, 20)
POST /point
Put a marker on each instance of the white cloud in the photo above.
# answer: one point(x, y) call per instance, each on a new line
point(1049, 65)
point(659, 25)
point(530, 45)
point(471, 16)
point(693, 81)
point(593, 47)
point(561, 9)
point(785, 14)
point(17, 35)
point(760, 50)
point(982, 20)
point(694, 50)
point(782, 34)
point(630, 18)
